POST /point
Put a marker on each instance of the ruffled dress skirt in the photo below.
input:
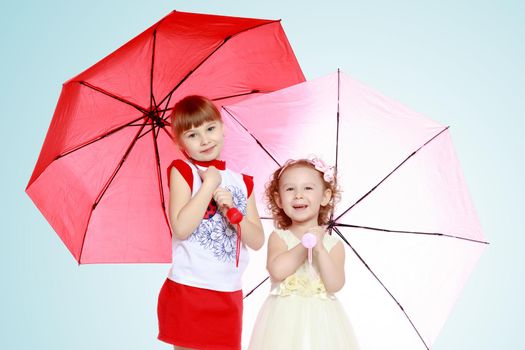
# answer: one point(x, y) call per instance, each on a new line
point(302, 323)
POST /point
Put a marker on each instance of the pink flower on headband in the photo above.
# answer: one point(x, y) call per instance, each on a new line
point(327, 170)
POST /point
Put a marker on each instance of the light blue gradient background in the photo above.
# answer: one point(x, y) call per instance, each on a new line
point(459, 62)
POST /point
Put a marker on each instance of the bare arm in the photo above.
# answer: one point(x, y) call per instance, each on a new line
point(331, 266)
point(251, 227)
point(282, 262)
point(185, 211)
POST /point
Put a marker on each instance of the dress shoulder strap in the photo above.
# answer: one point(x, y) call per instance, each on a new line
point(288, 237)
point(329, 241)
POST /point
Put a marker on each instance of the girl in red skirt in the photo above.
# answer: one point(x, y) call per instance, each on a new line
point(200, 304)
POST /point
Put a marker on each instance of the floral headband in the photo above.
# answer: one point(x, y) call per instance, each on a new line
point(327, 170)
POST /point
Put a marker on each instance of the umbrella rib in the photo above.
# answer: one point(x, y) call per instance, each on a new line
point(193, 70)
point(382, 284)
point(337, 132)
point(159, 177)
point(337, 129)
point(387, 176)
point(225, 40)
point(167, 133)
point(412, 232)
point(155, 134)
point(106, 186)
point(257, 286)
point(166, 109)
point(254, 91)
point(109, 94)
point(256, 140)
point(146, 132)
point(100, 137)
point(152, 98)
point(110, 132)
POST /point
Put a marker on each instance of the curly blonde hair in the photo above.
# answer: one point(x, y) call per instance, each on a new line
point(282, 220)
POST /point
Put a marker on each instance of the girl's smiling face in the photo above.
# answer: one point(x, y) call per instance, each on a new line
point(204, 142)
point(301, 194)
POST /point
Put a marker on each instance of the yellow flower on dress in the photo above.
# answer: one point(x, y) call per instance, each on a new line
point(302, 284)
point(289, 286)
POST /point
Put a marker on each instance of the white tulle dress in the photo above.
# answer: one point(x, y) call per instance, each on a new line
point(300, 314)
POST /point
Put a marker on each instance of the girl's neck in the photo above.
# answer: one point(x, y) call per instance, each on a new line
point(300, 228)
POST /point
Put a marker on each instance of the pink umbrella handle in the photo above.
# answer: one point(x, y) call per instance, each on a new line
point(309, 241)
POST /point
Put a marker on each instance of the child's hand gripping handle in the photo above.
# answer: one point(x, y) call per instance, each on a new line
point(234, 216)
point(223, 198)
point(309, 241)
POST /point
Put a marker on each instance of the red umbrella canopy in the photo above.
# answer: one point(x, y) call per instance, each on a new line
point(100, 179)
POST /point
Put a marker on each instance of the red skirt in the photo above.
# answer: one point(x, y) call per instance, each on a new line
point(199, 318)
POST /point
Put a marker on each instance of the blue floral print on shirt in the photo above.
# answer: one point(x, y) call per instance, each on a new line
point(216, 234)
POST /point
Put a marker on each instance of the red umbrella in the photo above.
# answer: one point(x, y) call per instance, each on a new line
point(100, 179)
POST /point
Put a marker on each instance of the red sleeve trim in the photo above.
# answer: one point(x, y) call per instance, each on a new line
point(184, 169)
point(248, 181)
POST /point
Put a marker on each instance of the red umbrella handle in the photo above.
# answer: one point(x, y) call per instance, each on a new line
point(234, 216)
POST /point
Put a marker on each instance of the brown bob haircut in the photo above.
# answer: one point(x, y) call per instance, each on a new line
point(191, 112)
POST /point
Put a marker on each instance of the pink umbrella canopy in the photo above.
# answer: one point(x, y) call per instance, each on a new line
point(405, 215)
point(100, 179)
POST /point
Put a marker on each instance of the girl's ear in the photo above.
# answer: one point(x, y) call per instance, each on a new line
point(277, 199)
point(327, 196)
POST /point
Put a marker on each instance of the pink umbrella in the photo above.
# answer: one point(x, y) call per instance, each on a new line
point(100, 179)
point(406, 217)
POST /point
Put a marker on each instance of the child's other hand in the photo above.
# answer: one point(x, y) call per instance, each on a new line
point(211, 175)
point(223, 197)
point(318, 232)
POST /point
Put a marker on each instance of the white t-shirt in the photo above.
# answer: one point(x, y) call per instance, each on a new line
point(206, 259)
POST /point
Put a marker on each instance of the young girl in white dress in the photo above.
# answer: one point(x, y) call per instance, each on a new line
point(302, 311)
